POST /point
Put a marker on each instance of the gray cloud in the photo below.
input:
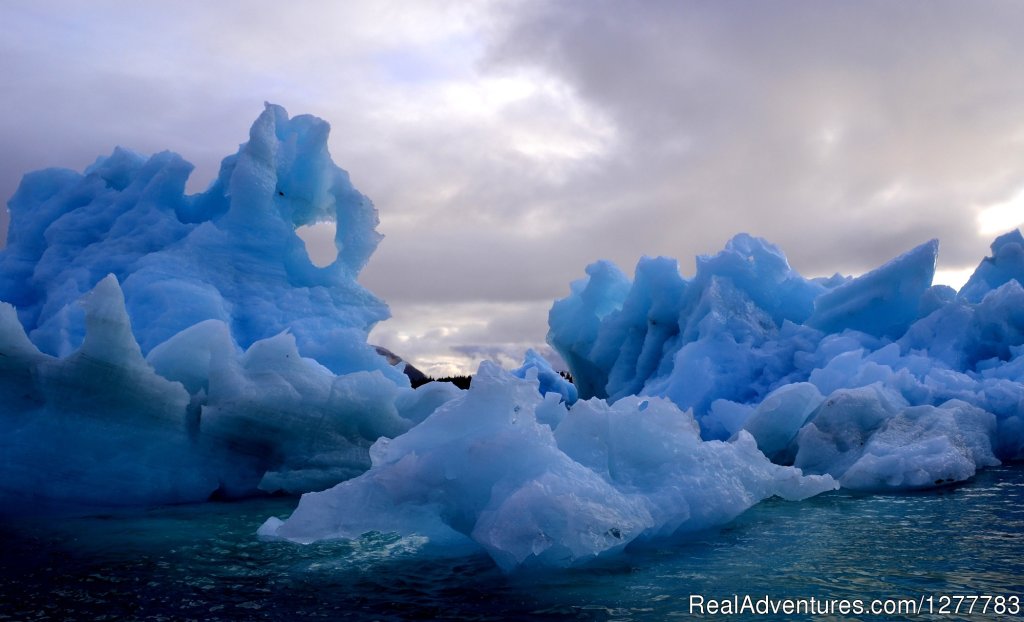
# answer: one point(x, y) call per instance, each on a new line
point(454, 338)
point(509, 144)
point(795, 119)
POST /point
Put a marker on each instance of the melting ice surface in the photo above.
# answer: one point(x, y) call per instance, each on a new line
point(160, 348)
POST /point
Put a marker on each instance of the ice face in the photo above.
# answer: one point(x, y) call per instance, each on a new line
point(750, 345)
point(870, 439)
point(1006, 264)
point(537, 367)
point(776, 421)
point(165, 348)
point(73, 433)
point(199, 416)
point(483, 468)
point(883, 302)
point(578, 320)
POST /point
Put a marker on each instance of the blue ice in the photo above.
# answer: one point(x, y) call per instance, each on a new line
point(883, 381)
point(159, 347)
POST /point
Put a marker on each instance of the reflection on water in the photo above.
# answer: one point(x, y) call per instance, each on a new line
point(205, 563)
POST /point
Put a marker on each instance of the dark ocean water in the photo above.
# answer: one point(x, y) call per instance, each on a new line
point(205, 562)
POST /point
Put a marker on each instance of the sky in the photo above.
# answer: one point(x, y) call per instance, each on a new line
point(507, 144)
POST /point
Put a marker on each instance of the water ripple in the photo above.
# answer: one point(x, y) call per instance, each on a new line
point(205, 563)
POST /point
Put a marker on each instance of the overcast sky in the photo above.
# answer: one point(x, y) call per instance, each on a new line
point(508, 144)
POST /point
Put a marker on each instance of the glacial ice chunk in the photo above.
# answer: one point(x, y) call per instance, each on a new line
point(536, 366)
point(778, 418)
point(870, 439)
point(576, 321)
point(98, 427)
point(883, 302)
point(482, 468)
point(106, 427)
point(159, 348)
point(749, 344)
point(229, 254)
point(621, 338)
point(1006, 264)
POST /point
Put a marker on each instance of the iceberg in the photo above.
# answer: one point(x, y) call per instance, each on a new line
point(932, 379)
point(230, 253)
point(484, 470)
point(157, 347)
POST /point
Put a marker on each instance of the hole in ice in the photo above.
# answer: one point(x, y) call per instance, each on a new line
point(642, 406)
point(319, 240)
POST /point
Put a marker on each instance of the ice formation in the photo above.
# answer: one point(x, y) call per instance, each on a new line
point(882, 381)
point(484, 468)
point(229, 254)
point(157, 347)
point(537, 367)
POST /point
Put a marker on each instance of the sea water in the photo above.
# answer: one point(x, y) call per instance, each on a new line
point(205, 562)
